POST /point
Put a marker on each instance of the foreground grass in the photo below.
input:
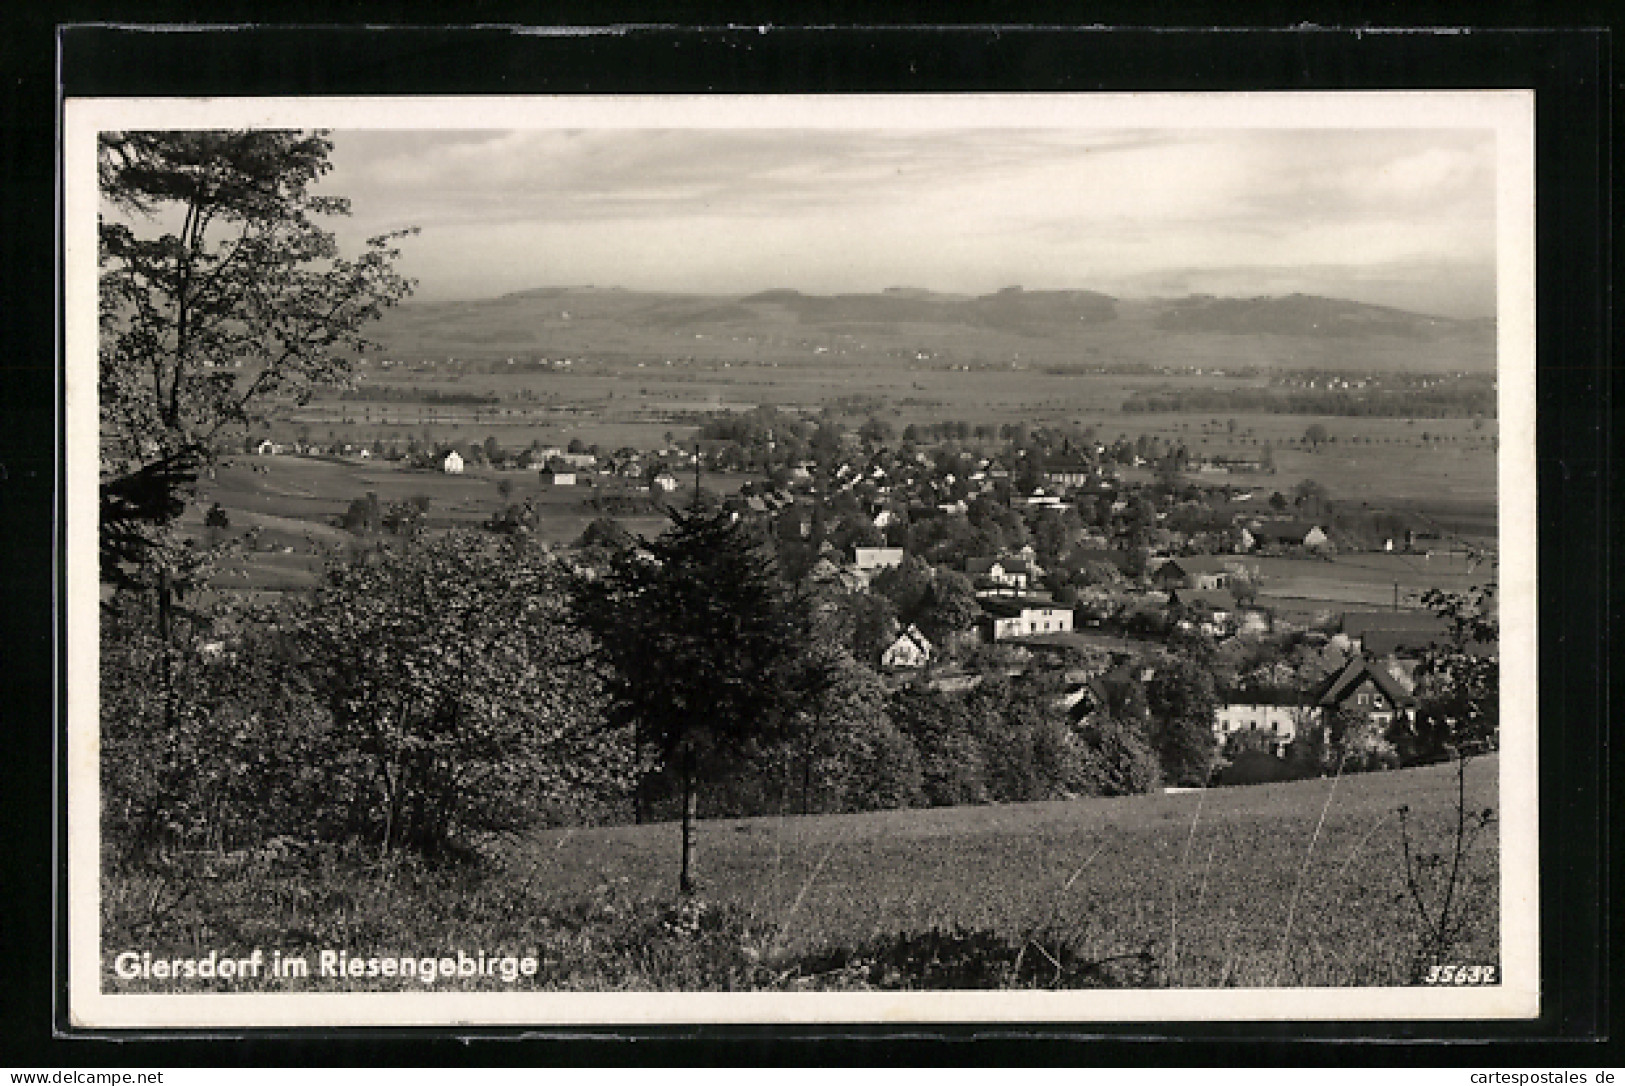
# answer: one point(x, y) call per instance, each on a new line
point(1210, 889)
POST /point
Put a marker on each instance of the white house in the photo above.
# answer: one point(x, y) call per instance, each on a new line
point(1001, 573)
point(665, 481)
point(452, 464)
point(556, 477)
point(1006, 618)
point(911, 649)
point(871, 560)
point(1280, 719)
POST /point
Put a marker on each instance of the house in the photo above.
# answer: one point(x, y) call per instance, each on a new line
point(1067, 472)
point(885, 519)
point(1003, 619)
point(665, 481)
point(1288, 533)
point(451, 463)
point(557, 477)
point(1000, 574)
point(911, 649)
point(1381, 633)
point(1367, 687)
point(1280, 715)
point(1199, 571)
point(267, 447)
point(871, 560)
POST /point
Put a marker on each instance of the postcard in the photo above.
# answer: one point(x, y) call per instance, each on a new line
point(560, 561)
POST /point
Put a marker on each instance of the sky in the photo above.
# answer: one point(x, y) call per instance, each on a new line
point(1391, 217)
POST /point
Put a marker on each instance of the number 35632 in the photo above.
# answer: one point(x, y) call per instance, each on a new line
point(1461, 974)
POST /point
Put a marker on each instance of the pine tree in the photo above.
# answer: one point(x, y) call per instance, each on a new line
point(703, 640)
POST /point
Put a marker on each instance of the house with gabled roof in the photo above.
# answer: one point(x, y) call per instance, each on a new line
point(1288, 533)
point(911, 649)
point(1368, 687)
point(1199, 571)
point(1001, 574)
point(1405, 633)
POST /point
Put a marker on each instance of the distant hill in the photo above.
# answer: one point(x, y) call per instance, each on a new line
point(1295, 314)
point(1044, 327)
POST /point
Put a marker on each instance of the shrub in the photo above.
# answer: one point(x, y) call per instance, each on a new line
point(1115, 760)
point(208, 740)
point(461, 702)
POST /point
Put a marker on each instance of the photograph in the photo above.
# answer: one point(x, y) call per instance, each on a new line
point(871, 559)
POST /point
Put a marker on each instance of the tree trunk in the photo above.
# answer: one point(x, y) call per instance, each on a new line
point(687, 881)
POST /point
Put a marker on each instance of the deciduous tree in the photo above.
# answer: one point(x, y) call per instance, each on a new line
point(235, 297)
point(462, 700)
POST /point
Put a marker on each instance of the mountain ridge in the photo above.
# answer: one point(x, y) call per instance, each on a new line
point(1048, 326)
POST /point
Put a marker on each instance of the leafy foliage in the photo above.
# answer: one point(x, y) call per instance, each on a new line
point(1182, 701)
point(461, 700)
point(202, 324)
point(1458, 683)
point(209, 739)
point(1115, 760)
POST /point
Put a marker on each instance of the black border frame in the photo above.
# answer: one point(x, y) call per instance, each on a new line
point(1568, 68)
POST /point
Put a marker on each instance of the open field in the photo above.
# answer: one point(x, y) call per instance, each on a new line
point(1219, 888)
point(1002, 868)
point(297, 503)
point(1442, 468)
point(1307, 585)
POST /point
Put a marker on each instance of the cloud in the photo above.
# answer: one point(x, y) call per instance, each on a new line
point(953, 209)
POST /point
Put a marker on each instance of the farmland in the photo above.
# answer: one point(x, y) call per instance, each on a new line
point(1201, 884)
point(297, 502)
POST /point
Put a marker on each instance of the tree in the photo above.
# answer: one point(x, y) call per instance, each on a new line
point(1458, 682)
point(1315, 436)
point(949, 607)
point(1115, 759)
point(702, 638)
point(605, 536)
point(462, 701)
point(1243, 586)
point(905, 585)
point(1182, 700)
point(952, 768)
point(242, 297)
point(852, 757)
point(876, 431)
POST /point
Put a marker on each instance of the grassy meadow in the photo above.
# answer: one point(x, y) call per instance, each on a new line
point(297, 504)
point(1301, 883)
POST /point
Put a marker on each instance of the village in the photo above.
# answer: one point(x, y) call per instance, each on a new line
point(1096, 562)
